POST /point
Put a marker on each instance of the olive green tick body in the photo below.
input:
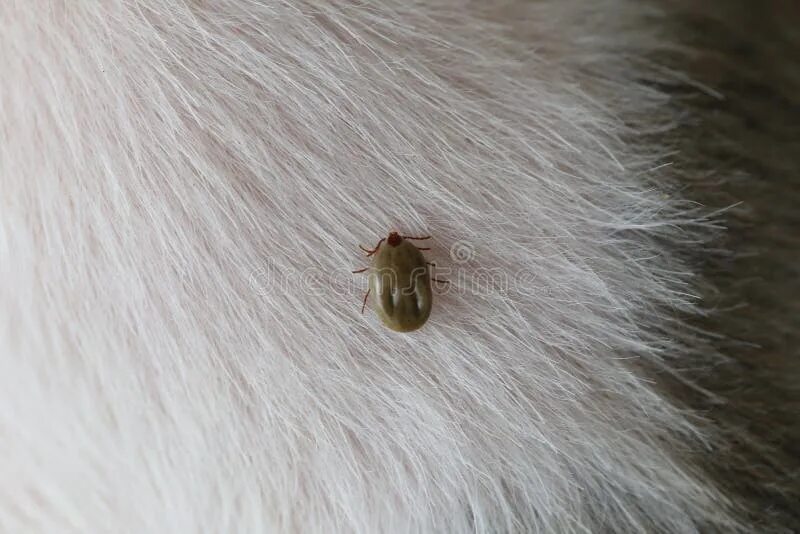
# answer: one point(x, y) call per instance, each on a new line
point(400, 282)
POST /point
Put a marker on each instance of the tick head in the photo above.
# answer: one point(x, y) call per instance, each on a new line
point(394, 239)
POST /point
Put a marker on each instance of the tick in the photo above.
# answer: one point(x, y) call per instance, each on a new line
point(400, 280)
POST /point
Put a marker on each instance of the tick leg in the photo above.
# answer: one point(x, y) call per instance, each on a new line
point(360, 270)
point(373, 251)
point(416, 238)
point(364, 305)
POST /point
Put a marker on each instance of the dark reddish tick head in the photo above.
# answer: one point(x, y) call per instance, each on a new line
point(394, 239)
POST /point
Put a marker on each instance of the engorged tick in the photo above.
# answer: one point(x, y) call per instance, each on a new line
point(401, 282)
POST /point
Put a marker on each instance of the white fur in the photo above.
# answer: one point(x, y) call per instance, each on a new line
point(184, 186)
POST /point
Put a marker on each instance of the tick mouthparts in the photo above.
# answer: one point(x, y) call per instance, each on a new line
point(394, 239)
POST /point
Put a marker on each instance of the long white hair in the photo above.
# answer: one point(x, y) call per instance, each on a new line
point(183, 189)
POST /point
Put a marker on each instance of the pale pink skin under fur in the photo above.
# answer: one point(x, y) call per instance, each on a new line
point(183, 188)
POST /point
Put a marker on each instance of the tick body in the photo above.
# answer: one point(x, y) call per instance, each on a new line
point(400, 283)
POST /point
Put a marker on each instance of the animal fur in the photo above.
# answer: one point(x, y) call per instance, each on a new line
point(184, 187)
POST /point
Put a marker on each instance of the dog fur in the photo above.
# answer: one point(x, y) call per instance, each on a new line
point(184, 189)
